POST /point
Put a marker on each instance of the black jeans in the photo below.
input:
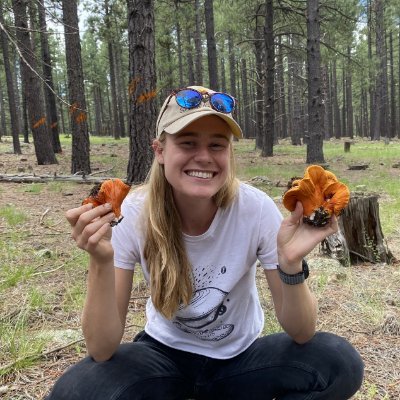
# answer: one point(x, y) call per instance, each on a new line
point(273, 367)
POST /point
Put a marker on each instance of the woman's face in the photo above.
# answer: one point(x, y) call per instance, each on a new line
point(197, 159)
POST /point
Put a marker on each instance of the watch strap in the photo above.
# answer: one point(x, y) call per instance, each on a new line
point(295, 279)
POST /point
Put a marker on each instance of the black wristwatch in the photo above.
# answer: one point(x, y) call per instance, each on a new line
point(295, 279)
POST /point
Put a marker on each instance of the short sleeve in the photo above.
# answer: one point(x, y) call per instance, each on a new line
point(270, 222)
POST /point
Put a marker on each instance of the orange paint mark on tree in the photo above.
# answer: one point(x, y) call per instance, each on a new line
point(81, 117)
point(40, 122)
point(146, 96)
point(53, 125)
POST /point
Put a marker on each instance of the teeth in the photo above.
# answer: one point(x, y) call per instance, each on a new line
point(200, 174)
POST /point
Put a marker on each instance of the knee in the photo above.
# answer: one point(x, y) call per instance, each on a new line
point(346, 365)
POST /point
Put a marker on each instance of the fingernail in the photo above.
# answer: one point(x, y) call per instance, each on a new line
point(107, 205)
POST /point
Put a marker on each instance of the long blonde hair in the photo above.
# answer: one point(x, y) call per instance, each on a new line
point(170, 269)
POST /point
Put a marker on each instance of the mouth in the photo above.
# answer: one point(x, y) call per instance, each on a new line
point(200, 174)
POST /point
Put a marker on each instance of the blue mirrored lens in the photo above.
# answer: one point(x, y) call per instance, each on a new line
point(223, 102)
point(188, 98)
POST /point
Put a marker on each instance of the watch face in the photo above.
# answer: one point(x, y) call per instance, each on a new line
point(306, 271)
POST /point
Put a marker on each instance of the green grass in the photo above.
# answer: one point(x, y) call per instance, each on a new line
point(11, 215)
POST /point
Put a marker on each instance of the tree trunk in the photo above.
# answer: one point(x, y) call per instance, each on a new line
point(223, 76)
point(315, 107)
point(281, 91)
point(211, 45)
point(336, 112)
point(349, 97)
point(393, 116)
point(269, 129)
point(360, 224)
point(37, 117)
point(179, 44)
point(381, 80)
point(97, 110)
point(142, 87)
point(51, 108)
point(189, 57)
point(371, 91)
point(11, 93)
point(120, 91)
point(80, 160)
point(259, 47)
point(245, 101)
point(3, 125)
point(197, 44)
point(296, 97)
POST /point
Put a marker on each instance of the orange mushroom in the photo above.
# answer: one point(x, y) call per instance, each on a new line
point(111, 191)
point(320, 193)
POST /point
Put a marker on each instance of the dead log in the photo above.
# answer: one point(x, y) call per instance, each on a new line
point(358, 167)
point(361, 227)
point(52, 178)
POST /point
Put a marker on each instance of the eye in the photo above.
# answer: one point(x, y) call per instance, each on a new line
point(187, 144)
point(218, 146)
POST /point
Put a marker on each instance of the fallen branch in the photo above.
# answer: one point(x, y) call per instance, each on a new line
point(88, 179)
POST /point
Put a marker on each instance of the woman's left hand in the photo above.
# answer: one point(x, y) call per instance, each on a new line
point(296, 239)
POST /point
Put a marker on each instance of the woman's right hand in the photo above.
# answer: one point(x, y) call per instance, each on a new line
point(91, 230)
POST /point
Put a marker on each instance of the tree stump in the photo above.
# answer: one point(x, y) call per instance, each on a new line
point(363, 240)
point(347, 145)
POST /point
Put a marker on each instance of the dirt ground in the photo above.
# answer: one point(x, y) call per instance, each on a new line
point(345, 295)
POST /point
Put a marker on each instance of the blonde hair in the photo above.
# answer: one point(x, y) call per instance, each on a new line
point(170, 269)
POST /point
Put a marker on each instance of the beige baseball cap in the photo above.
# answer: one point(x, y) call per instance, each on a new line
point(173, 118)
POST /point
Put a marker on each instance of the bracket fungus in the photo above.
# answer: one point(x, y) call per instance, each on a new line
point(111, 191)
point(320, 193)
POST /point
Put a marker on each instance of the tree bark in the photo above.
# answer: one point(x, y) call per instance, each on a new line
point(110, 48)
point(37, 116)
point(198, 46)
point(211, 45)
point(269, 129)
point(315, 107)
point(51, 108)
point(10, 91)
point(349, 97)
point(393, 116)
point(142, 87)
point(259, 47)
point(281, 91)
point(189, 57)
point(360, 224)
point(80, 160)
point(245, 102)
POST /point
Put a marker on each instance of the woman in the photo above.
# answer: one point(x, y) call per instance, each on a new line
point(198, 233)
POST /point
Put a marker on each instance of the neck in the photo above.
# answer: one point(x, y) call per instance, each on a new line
point(196, 216)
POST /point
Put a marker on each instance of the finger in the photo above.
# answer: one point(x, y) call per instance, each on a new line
point(93, 227)
point(94, 240)
point(73, 214)
point(297, 214)
point(90, 215)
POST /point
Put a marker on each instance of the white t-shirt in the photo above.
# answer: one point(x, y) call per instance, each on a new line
point(225, 315)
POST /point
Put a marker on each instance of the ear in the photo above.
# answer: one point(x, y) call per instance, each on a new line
point(158, 151)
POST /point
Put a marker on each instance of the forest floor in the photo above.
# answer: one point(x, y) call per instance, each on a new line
point(42, 284)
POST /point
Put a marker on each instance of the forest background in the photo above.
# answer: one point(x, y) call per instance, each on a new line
point(308, 76)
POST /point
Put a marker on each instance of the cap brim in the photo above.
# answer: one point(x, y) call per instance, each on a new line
point(183, 122)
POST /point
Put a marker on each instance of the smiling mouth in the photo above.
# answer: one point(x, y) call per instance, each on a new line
point(200, 174)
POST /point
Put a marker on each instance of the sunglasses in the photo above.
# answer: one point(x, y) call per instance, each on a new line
point(191, 98)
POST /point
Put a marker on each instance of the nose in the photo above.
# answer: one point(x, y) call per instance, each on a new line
point(203, 154)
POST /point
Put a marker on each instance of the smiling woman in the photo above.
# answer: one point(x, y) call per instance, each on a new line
point(198, 233)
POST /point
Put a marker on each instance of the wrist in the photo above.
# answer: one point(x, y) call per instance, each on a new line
point(295, 277)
